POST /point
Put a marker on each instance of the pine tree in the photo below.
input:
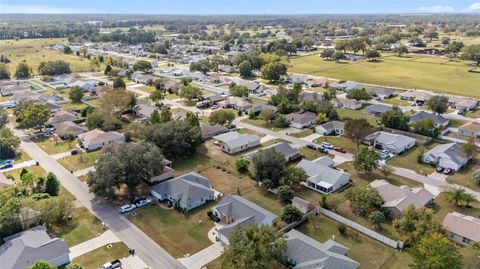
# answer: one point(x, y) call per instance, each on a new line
point(52, 186)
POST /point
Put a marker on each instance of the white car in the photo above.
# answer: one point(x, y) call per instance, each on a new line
point(127, 208)
point(142, 202)
point(112, 265)
point(326, 145)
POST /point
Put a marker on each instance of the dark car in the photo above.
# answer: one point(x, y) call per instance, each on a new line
point(74, 152)
point(232, 126)
point(312, 146)
point(439, 169)
point(322, 150)
point(5, 166)
point(340, 149)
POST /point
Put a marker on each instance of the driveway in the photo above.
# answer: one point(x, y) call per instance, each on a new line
point(311, 137)
point(104, 239)
point(203, 257)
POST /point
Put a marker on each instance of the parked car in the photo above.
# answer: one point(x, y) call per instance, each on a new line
point(322, 150)
point(439, 169)
point(215, 107)
point(340, 149)
point(74, 152)
point(112, 265)
point(327, 145)
point(6, 166)
point(447, 171)
point(142, 202)
point(232, 126)
point(127, 208)
point(312, 146)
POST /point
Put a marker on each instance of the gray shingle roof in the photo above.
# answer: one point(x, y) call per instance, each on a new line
point(403, 196)
point(317, 172)
point(422, 115)
point(236, 139)
point(301, 117)
point(283, 148)
point(332, 125)
point(378, 109)
point(451, 150)
point(189, 187)
point(463, 225)
point(23, 249)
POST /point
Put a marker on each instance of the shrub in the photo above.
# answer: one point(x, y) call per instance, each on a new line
point(342, 229)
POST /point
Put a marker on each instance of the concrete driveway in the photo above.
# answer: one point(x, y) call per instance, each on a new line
point(203, 257)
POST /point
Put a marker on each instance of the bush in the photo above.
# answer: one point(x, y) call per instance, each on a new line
point(40, 196)
point(342, 229)
point(242, 165)
point(285, 193)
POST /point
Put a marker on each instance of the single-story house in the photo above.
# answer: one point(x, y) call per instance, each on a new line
point(394, 143)
point(353, 58)
point(301, 119)
point(332, 127)
point(420, 97)
point(259, 108)
point(188, 191)
point(234, 210)
point(143, 110)
point(171, 86)
point(141, 77)
point(62, 116)
point(209, 131)
point(303, 205)
point(378, 109)
point(462, 103)
point(179, 115)
point(166, 173)
point(305, 252)
point(438, 120)
point(462, 229)
point(233, 142)
point(449, 156)
point(96, 139)
point(470, 129)
point(214, 97)
point(23, 96)
point(322, 177)
point(23, 249)
point(86, 86)
point(289, 153)
point(12, 88)
point(235, 102)
point(347, 86)
point(66, 129)
point(311, 97)
point(381, 92)
point(396, 199)
point(100, 90)
point(346, 103)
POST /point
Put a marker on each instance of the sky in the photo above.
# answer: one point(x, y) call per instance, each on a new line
point(206, 7)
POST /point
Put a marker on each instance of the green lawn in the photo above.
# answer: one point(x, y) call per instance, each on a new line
point(171, 96)
point(357, 114)
point(80, 161)
point(464, 176)
point(195, 162)
point(310, 154)
point(420, 72)
point(262, 124)
point(409, 159)
point(473, 114)
point(148, 89)
point(396, 101)
point(98, 257)
point(22, 156)
point(15, 174)
point(456, 123)
point(179, 234)
point(339, 141)
point(302, 133)
point(51, 146)
point(73, 106)
point(82, 227)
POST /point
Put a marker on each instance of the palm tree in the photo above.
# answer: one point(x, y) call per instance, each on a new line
point(456, 195)
point(469, 198)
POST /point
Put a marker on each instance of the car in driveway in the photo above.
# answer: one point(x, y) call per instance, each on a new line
point(312, 146)
point(6, 166)
point(142, 202)
point(112, 265)
point(447, 171)
point(327, 145)
point(322, 150)
point(127, 208)
point(340, 149)
point(439, 169)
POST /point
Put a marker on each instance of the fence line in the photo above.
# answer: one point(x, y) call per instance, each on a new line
point(387, 241)
point(296, 223)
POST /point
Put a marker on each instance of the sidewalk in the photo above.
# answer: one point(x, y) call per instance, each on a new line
point(104, 239)
point(83, 172)
point(203, 257)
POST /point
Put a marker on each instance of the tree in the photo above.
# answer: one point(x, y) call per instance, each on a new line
point(366, 159)
point(52, 185)
point(55, 210)
point(221, 117)
point(23, 71)
point(280, 121)
point(268, 165)
point(415, 224)
point(321, 118)
point(155, 117)
point(94, 64)
point(242, 165)
point(4, 72)
point(165, 116)
point(471, 53)
point(456, 195)
point(293, 176)
point(327, 54)
point(337, 56)
point(469, 198)
point(76, 94)
point(435, 251)
point(400, 50)
point(357, 129)
point(142, 66)
point(431, 35)
point(53, 68)
point(41, 264)
point(469, 148)
point(125, 166)
point(190, 92)
point(273, 71)
point(118, 83)
point(372, 55)
point(377, 218)
point(426, 127)
point(32, 115)
point(307, 42)
point(245, 69)
point(359, 94)
point(95, 120)
point(176, 139)
point(268, 115)
point(395, 119)
point(74, 266)
point(291, 214)
point(254, 246)
point(9, 143)
point(203, 66)
point(239, 91)
point(364, 199)
point(107, 70)
point(438, 103)
point(386, 170)
point(3, 117)
point(285, 193)
point(342, 45)
point(157, 96)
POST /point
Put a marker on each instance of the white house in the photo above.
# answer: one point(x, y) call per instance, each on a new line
point(395, 143)
point(322, 177)
point(96, 139)
point(448, 156)
point(234, 142)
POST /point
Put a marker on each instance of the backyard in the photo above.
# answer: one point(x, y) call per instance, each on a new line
point(412, 71)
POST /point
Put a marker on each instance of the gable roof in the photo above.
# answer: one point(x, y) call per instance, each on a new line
point(403, 196)
point(311, 254)
point(422, 115)
point(332, 125)
point(236, 139)
point(397, 141)
point(301, 117)
point(189, 187)
point(452, 151)
point(463, 225)
point(97, 136)
point(470, 126)
point(212, 130)
point(23, 249)
point(62, 116)
point(65, 127)
point(321, 174)
point(378, 109)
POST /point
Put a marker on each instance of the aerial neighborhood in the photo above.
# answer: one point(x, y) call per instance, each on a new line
point(324, 141)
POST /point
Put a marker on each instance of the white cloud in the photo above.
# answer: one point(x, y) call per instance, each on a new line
point(475, 7)
point(37, 9)
point(436, 9)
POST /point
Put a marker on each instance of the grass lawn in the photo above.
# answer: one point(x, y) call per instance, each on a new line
point(95, 259)
point(73, 106)
point(22, 156)
point(33, 52)
point(409, 159)
point(80, 161)
point(310, 154)
point(396, 101)
point(339, 141)
point(464, 176)
point(256, 102)
point(179, 234)
point(473, 114)
point(171, 96)
point(15, 174)
point(418, 72)
point(82, 227)
point(195, 162)
point(303, 133)
point(262, 124)
point(146, 89)
point(358, 114)
point(53, 147)
point(456, 123)
point(370, 253)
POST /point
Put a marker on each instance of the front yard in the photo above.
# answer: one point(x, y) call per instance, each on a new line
point(262, 124)
point(464, 176)
point(302, 133)
point(95, 259)
point(80, 161)
point(51, 146)
point(344, 113)
point(410, 158)
point(339, 141)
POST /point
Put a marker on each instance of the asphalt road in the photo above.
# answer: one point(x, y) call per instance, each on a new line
point(149, 251)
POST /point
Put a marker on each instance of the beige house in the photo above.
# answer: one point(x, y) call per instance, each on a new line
point(96, 139)
point(470, 129)
point(462, 229)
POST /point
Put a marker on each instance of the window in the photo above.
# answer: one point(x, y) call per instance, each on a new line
point(466, 240)
point(451, 235)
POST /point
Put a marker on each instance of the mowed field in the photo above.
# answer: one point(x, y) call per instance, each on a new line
point(412, 71)
point(33, 51)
